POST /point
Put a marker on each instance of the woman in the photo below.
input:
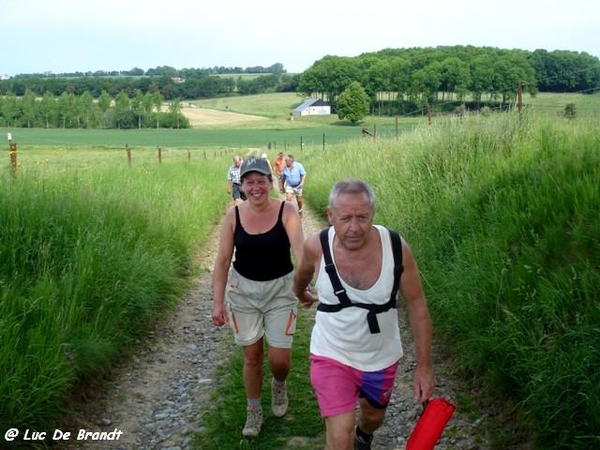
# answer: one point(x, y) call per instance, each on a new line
point(255, 295)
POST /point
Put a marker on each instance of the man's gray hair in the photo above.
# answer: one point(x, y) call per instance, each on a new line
point(351, 186)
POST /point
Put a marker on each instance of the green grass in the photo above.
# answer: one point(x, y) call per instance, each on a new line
point(294, 137)
point(275, 106)
point(553, 105)
point(92, 252)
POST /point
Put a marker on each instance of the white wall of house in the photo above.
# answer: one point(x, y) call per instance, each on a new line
point(316, 110)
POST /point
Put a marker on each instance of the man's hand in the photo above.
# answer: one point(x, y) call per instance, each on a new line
point(307, 298)
point(424, 384)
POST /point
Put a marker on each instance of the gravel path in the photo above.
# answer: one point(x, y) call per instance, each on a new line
point(155, 397)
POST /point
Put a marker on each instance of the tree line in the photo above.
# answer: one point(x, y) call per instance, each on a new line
point(395, 81)
point(83, 111)
point(160, 71)
point(400, 80)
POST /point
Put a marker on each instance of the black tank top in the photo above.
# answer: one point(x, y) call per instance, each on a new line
point(265, 256)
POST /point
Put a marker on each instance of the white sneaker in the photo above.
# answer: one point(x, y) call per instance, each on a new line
point(279, 400)
point(254, 420)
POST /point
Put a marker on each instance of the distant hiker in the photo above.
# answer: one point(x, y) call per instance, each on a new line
point(279, 164)
point(294, 177)
point(234, 183)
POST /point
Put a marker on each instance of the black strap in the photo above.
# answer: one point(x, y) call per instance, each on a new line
point(340, 292)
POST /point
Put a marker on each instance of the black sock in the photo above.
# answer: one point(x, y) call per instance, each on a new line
point(364, 436)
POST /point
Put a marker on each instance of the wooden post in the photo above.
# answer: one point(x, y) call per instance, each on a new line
point(429, 114)
point(128, 154)
point(397, 134)
point(159, 151)
point(301, 144)
point(12, 148)
point(189, 156)
point(520, 100)
point(323, 141)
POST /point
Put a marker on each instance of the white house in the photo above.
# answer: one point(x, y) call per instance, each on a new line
point(312, 107)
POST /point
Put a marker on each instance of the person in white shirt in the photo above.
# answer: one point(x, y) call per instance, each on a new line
point(355, 343)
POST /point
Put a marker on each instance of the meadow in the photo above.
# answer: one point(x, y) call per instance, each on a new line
point(501, 212)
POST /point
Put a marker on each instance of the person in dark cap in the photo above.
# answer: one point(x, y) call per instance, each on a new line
point(254, 294)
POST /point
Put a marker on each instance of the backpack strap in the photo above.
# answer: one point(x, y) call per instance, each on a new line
point(398, 263)
point(338, 289)
point(340, 292)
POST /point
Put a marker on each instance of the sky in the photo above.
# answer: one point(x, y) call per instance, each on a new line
point(62, 36)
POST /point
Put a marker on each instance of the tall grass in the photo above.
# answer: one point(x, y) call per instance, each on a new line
point(502, 215)
point(89, 258)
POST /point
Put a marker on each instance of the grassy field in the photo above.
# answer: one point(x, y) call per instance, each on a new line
point(553, 105)
point(502, 215)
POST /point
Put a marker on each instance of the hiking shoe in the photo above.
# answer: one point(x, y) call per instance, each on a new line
point(254, 422)
point(361, 444)
point(300, 212)
point(279, 400)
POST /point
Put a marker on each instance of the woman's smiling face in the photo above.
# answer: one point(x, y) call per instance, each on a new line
point(256, 185)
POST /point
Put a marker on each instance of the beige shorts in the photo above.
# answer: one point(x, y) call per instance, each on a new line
point(292, 190)
point(261, 308)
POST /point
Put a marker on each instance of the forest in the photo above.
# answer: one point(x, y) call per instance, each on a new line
point(396, 81)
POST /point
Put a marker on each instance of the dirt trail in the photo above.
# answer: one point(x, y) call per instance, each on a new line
point(155, 397)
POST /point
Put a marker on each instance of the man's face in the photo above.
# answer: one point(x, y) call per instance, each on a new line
point(289, 161)
point(352, 218)
point(238, 162)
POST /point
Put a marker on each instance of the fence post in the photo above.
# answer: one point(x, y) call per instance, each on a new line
point(128, 154)
point(12, 148)
point(159, 151)
point(520, 100)
point(429, 114)
point(323, 141)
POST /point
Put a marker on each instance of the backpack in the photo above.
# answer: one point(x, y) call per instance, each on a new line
point(340, 292)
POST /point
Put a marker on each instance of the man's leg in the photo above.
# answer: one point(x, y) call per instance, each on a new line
point(370, 418)
point(339, 432)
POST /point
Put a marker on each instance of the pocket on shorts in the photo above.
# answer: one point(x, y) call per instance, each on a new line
point(290, 327)
point(232, 288)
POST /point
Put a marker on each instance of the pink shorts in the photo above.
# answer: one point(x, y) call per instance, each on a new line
point(338, 386)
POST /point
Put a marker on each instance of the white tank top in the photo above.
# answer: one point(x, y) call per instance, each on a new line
point(345, 336)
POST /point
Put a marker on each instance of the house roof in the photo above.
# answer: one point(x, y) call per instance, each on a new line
point(311, 102)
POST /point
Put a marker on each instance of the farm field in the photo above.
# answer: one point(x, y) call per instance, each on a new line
point(259, 121)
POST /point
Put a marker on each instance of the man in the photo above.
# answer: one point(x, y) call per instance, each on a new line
point(234, 184)
point(355, 344)
point(294, 177)
point(279, 164)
